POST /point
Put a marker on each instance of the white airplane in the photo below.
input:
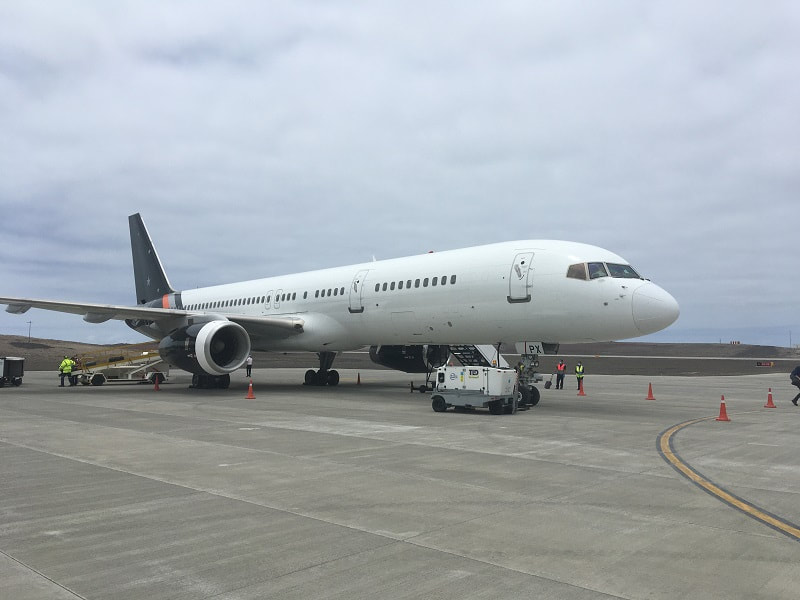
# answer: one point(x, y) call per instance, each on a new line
point(410, 310)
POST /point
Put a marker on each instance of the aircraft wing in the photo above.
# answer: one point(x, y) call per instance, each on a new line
point(99, 313)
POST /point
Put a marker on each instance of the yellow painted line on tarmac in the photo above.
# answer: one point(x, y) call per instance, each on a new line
point(666, 448)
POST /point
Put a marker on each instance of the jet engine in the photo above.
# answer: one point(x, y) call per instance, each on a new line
point(211, 348)
point(411, 359)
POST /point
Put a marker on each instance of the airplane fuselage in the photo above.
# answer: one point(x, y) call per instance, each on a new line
point(510, 291)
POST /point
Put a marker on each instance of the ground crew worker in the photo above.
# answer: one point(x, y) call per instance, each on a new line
point(65, 369)
point(579, 374)
point(73, 377)
point(795, 377)
point(561, 370)
point(249, 364)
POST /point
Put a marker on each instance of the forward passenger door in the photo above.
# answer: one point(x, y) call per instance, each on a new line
point(519, 280)
point(356, 292)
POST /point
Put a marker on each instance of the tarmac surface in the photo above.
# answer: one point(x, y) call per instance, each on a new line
point(362, 491)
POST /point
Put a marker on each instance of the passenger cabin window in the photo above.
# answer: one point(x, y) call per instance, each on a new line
point(452, 279)
point(425, 282)
point(444, 279)
point(399, 285)
point(384, 287)
point(623, 271)
point(391, 287)
point(434, 281)
point(597, 269)
point(577, 271)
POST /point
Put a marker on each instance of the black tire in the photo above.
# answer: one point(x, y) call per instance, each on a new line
point(423, 389)
point(98, 379)
point(523, 396)
point(438, 404)
point(223, 381)
point(496, 407)
point(18, 381)
point(534, 396)
point(321, 378)
point(311, 377)
point(508, 409)
point(333, 377)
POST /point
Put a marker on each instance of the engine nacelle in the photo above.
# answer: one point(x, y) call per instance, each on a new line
point(213, 348)
point(411, 359)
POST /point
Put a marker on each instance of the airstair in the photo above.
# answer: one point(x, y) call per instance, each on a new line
point(483, 355)
point(129, 362)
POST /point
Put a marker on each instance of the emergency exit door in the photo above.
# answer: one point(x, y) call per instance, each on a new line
point(519, 281)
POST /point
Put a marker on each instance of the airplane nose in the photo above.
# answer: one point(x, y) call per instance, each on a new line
point(653, 308)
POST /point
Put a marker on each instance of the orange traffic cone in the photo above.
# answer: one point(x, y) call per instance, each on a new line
point(770, 403)
point(580, 389)
point(650, 392)
point(156, 378)
point(723, 413)
point(250, 394)
point(358, 381)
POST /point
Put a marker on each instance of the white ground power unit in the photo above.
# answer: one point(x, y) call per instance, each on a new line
point(467, 387)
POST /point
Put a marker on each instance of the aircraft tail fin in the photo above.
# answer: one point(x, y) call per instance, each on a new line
point(151, 281)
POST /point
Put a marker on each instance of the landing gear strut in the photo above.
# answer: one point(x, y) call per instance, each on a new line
point(528, 394)
point(325, 375)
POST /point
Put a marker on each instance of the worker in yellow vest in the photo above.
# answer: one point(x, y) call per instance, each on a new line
point(579, 374)
point(65, 370)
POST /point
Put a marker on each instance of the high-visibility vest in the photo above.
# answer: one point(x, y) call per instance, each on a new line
point(66, 366)
point(579, 371)
point(561, 367)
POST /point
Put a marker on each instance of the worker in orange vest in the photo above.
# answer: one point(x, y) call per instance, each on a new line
point(561, 370)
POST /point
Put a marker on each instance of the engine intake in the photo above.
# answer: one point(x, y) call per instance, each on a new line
point(410, 359)
point(214, 348)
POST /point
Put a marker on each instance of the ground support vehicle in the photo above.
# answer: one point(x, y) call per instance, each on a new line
point(12, 368)
point(129, 362)
point(467, 387)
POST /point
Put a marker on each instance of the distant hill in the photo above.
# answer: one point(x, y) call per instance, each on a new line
point(45, 355)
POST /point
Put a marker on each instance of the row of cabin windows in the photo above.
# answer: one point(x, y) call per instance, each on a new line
point(338, 291)
point(329, 292)
point(432, 281)
point(226, 303)
point(285, 297)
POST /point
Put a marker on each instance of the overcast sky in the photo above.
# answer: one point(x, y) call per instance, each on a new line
point(263, 138)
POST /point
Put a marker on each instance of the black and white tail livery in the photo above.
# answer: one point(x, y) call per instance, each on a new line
point(148, 272)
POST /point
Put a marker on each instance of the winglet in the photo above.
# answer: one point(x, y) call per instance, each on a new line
point(151, 281)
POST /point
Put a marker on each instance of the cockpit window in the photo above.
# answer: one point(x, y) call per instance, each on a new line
point(624, 271)
point(597, 269)
point(577, 271)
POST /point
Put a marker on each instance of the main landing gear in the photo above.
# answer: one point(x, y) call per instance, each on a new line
point(325, 375)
